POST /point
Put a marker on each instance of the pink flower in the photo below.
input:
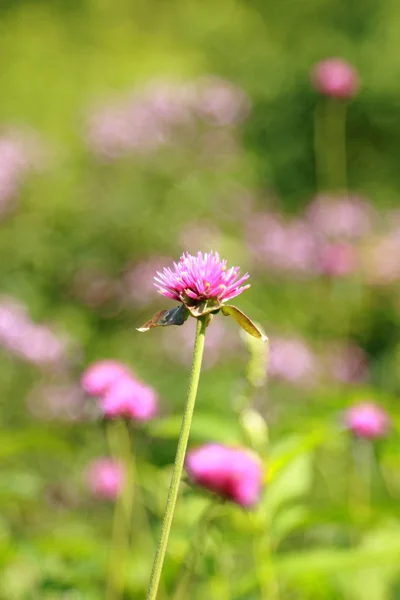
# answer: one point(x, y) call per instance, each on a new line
point(199, 278)
point(139, 279)
point(100, 375)
point(337, 260)
point(233, 473)
point(336, 78)
point(127, 397)
point(105, 478)
point(348, 363)
point(221, 103)
point(367, 420)
point(292, 360)
point(347, 217)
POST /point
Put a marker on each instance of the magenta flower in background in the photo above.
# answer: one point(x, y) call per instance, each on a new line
point(348, 217)
point(367, 420)
point(347, 363)
point(105, 478)
point(128, 397)
point(35, 343)
point(99, 376)
point(336, 78)
point(233, 473)
point(282, 246)
point(293, 361)
point(338, 259)
point(220, 102)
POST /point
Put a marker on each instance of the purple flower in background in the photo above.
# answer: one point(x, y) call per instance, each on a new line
point(347, 363)
point(347, 217)
point(161, 113)
point(367, 420)
point(128, 397)
point(105, 478)
point(335, 77)
point(100, 375)
point(337, 259)
point(221, 103)
point(58, 402)
point(292, 360)
point(199, 278)
point(282, 246)
point(233, 473)
point(37, 344)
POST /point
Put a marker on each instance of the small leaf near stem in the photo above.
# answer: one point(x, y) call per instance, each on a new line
point(244, 321)
point(164, 318)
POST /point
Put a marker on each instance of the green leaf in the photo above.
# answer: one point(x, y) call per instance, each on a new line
point(211, 305)
point(164, 318)
point(243, 320)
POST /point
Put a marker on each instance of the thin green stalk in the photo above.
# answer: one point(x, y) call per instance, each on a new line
point(330, 145)
point(179, 459)
point(120, 448)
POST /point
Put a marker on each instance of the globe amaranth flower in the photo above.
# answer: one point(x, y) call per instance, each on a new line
point(105, 478)
point(335, 77)
point(233, 473)
point(130, 398)
point(367, 420)
point(98, 377)
point(202, 283)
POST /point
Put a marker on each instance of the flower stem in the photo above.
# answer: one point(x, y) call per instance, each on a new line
point(179, 459)
point(330, 145)
point(120, 448)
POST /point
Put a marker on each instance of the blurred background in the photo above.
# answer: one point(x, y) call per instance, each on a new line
point(130, 133)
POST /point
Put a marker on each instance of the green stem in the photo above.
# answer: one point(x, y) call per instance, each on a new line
point(120, 448)
point(330, 145)
point(179, 460)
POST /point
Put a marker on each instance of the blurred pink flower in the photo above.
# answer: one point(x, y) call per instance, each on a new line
point(148, 119)
point(337, 259)
point(58, 402)
point(282, 246)
point(99, 376)
point(380, 260)
point(105, 478)
point(346, 217)
point(335, 77)
point(233, 473)
point(292, 360)
point(37, 344)
point(367, 420)
point(128, 397)
point(348, 363)
point(220, 102)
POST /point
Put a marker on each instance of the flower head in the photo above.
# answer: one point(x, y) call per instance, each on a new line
point(367, 420)
point(100, 375)
point(105, 478)
point(202, 284)
point(336, 78)
point(199, 278)
point(234, 473)
point(128, 397)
